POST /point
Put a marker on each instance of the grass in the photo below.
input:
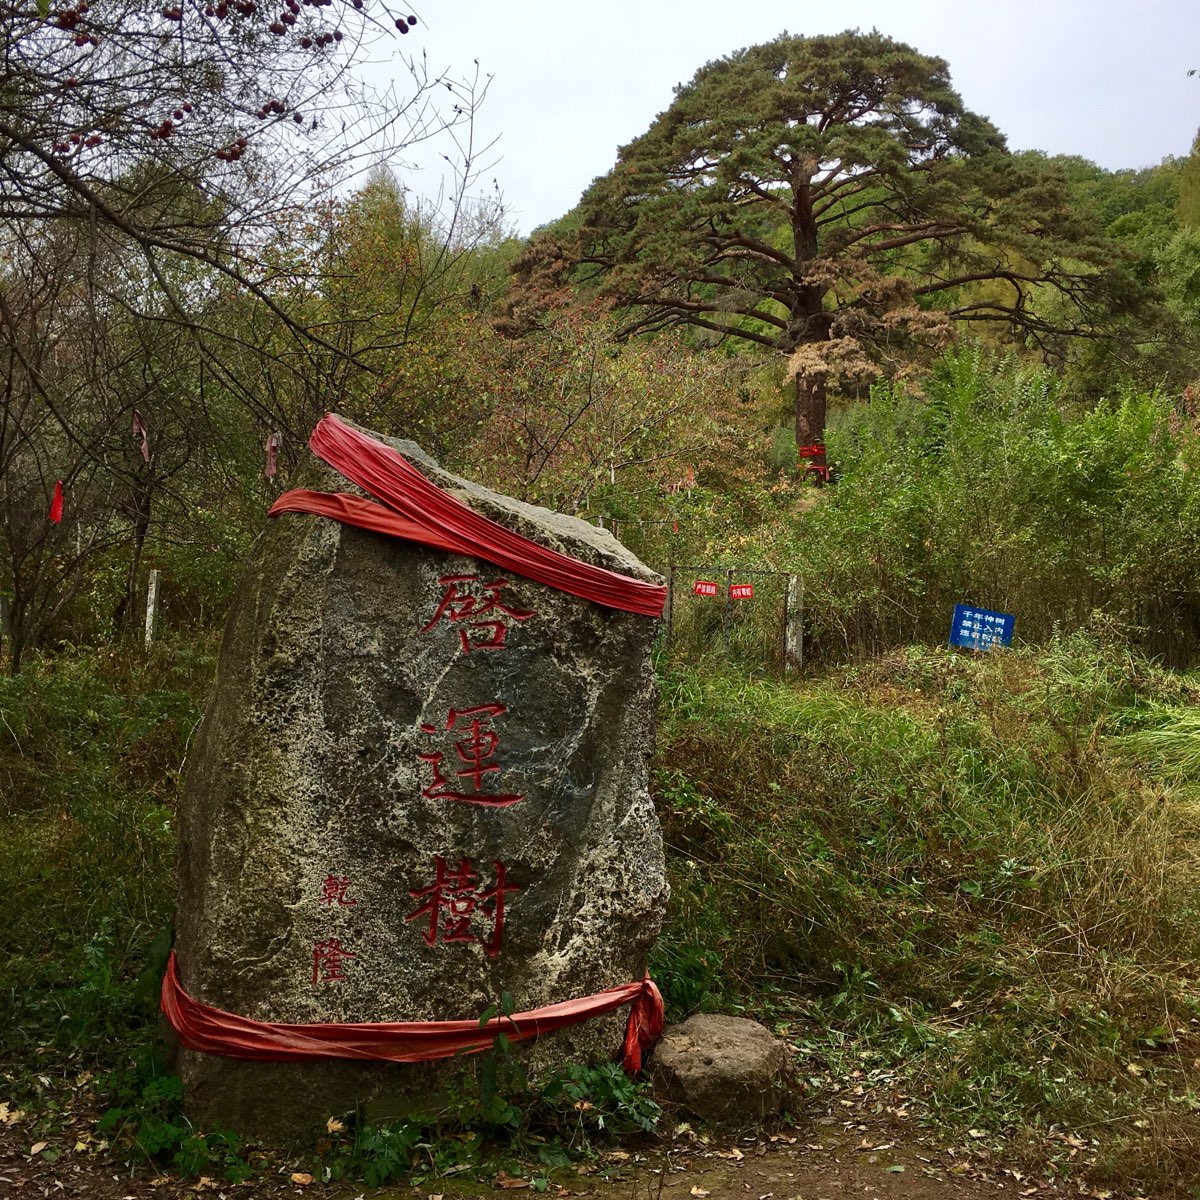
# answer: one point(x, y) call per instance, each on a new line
point(979, 870)
point(975, 876)
point(91, 749)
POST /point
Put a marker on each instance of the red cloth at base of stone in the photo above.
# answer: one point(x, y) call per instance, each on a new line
point(213, 1031)
point(420, 511)
point(56, 503)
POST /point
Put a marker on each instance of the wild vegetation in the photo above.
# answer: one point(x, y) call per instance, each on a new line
point(974, 875)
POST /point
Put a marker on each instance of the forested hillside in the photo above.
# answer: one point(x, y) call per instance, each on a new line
point(817, 321)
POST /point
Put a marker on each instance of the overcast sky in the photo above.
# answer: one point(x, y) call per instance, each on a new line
point(572, 81)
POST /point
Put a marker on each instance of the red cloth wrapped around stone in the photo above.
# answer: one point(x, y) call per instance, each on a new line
point(420, 511)
point(213, 1031)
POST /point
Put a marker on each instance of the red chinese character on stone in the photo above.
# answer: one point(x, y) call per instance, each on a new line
point(475, 751)
point(335, 890)
point(329, 958)
point(453, 898)
point(463, 602)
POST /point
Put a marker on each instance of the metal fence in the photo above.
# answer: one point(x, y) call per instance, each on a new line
point(751, 616)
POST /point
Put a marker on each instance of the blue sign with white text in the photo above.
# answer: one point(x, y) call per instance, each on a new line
point(980, 628)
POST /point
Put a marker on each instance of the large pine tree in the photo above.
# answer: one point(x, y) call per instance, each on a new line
point(831, 199)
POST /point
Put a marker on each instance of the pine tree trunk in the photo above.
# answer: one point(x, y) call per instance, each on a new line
point(810, 416)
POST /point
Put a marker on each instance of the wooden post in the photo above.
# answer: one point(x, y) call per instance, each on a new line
point(793, 626)
point(152, 607)
point(669, 607)
point(728, 608)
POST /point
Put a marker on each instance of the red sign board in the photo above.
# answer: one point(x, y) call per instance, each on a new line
point(741, 591)
point(702, 587)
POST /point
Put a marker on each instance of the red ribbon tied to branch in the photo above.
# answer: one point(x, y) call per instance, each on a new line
point(56, 503)
point(141, 431)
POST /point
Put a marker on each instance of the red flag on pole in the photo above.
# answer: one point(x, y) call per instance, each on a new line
point(56, 503)
point(140, 430)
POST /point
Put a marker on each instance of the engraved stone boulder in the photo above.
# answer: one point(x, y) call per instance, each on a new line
point(420, 784)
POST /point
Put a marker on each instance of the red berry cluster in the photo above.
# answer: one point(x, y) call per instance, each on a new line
point(403, 24)
point(270, 108)
point(69, 20)
point(75, 141)
point(234, 152)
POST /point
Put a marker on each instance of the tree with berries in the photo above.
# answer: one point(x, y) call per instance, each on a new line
point(155, 163)
point(831, 200)
point(185, 130)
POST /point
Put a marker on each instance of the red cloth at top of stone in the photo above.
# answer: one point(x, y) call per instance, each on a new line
point(420, 511)
point(213, 1031)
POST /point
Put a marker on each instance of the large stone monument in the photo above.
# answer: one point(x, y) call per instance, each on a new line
point(420, 783)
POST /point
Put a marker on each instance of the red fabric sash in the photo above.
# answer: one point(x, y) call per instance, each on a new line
point(420, 511)
point(202, 1027)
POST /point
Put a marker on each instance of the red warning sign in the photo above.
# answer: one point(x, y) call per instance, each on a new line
point(702, 587)
point(741, 591)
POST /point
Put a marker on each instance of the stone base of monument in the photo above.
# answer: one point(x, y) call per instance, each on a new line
point(420, 786)
point(718, 1068)
point(289, 1104)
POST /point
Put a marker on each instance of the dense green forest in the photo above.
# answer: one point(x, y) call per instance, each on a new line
point(974, 876)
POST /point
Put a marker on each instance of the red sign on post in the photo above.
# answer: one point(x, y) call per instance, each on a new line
point(741, 591)
point(702, 587)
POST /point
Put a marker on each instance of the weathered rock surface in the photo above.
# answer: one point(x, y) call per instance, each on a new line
point(721, 1068)
point(336, 863)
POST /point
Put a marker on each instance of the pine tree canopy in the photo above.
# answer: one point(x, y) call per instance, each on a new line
point(831, 198)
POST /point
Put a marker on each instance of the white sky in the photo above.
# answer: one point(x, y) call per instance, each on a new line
point(572, 81)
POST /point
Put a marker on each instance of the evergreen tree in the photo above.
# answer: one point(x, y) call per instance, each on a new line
point(829, 198)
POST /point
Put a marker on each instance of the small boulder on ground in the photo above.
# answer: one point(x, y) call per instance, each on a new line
point(720, 1068)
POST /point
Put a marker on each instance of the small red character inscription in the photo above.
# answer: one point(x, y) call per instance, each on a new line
point(466, 599)
point(475, 751)
point(335, 890)
point(329, 958)
point(454, 897)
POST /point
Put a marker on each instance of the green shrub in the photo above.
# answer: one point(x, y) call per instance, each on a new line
point(993, 490)
point(951, 863)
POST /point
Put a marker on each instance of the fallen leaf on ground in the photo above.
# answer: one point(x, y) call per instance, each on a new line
point(699, 1191)
point(301, 1178)
point(333, 1125)
point(38, 1147)
point(505, 1180)
point(733, 1153)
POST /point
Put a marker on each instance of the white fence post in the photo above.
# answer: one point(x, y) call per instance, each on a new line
point(793, 626)
point(152, 607)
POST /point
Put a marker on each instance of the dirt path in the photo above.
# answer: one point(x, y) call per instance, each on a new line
point(826, 1158)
